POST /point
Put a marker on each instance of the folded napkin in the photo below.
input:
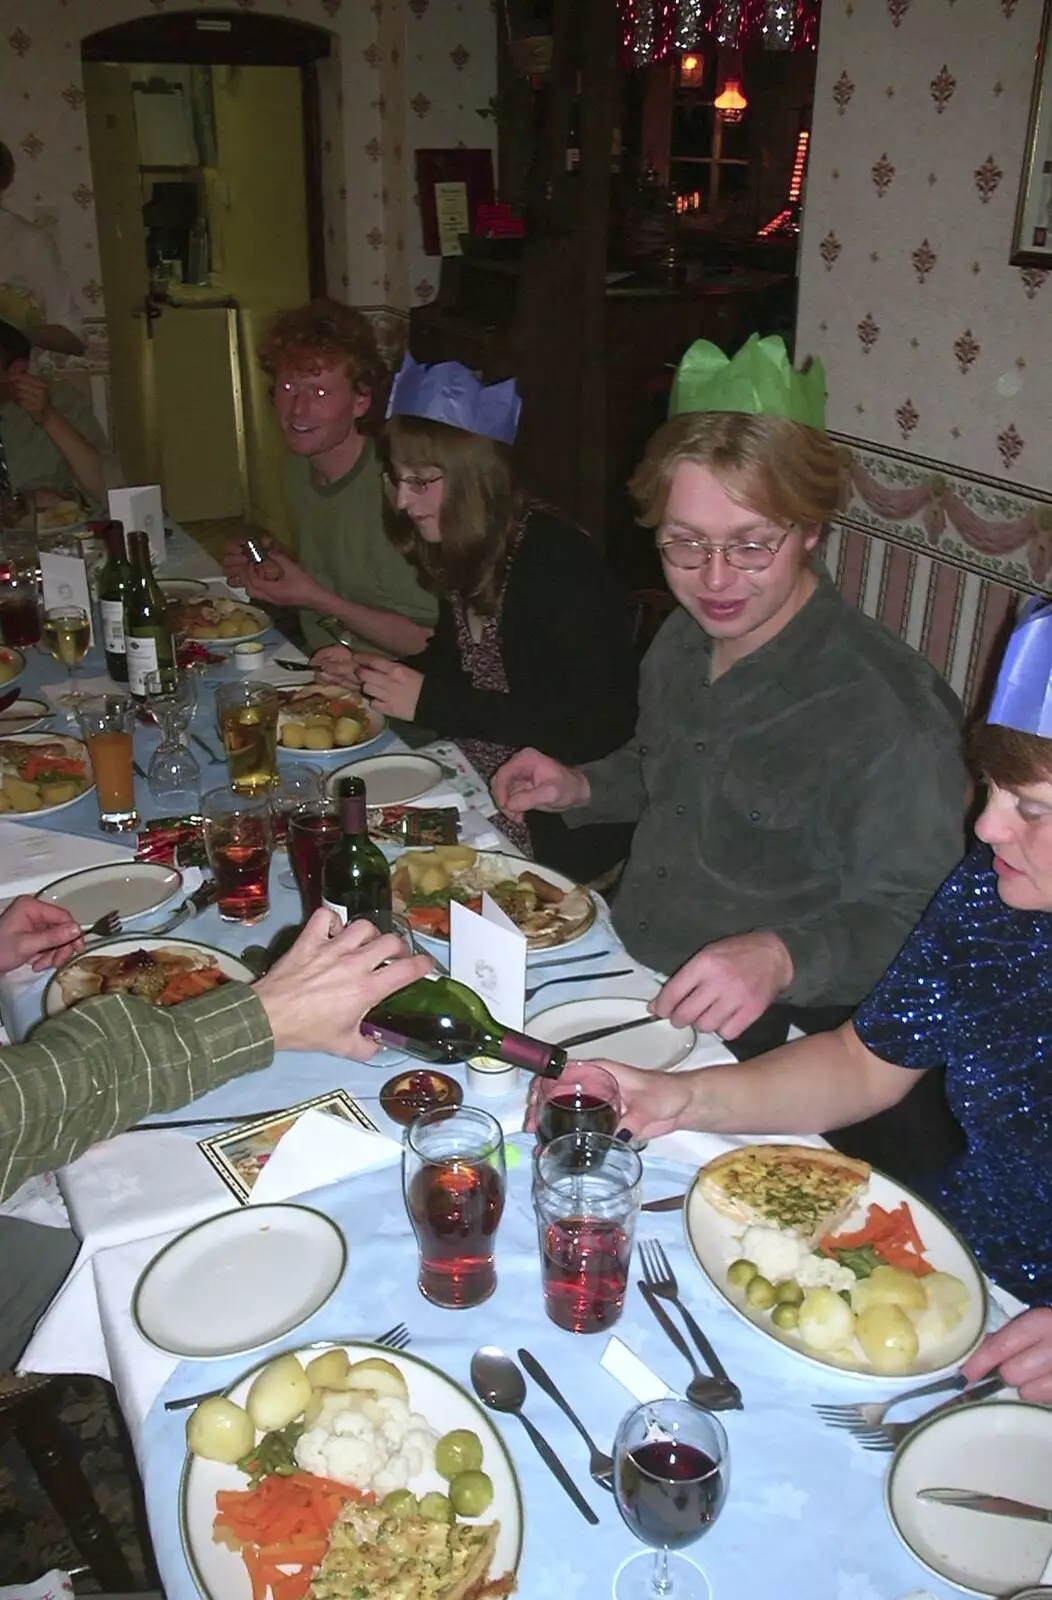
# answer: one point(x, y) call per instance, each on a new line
point(140, 1184)
point(59, 693)
point(32, 857)
point(317, 1150)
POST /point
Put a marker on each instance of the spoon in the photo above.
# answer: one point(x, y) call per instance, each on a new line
point(501, 1386)
point(704, 1391)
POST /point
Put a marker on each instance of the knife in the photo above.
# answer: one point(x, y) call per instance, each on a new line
point(671, 1202)
point(997, 1505)
point(603, 1033)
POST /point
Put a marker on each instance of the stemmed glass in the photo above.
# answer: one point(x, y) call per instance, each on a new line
point(671, 1476)
point(173, 775)
point(583, 1099)
point(296, 787)
point(66, 636)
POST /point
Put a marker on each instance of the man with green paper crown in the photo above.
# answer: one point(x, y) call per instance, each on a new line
point(796, 775)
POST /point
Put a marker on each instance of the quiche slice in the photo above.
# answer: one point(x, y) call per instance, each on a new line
point(805, 1190)
point(374, 1555)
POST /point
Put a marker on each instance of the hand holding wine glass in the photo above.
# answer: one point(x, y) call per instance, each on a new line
point(671, 1476)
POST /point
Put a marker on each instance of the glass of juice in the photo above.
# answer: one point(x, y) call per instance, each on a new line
point(583, 1099)
point(587, 1190)
point(453, 1178)
point(672, 1472)
point(107, 722)
point(248, 725)
point(311, 832)
point(238, 841)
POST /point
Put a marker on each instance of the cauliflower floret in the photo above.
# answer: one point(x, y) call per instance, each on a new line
point(348, 1460)
point(394, 1475)
point(822, 1272)
point(775, 1253)
point(418, 1447)
point(352, 1425)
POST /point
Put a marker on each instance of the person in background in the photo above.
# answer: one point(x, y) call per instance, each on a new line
point(35, 291)
point(1022, 1350)
point(796, 776)
point(54, 445)
point(328, 381)
point(90, 1072)
point(532, 641)
point(970, 993)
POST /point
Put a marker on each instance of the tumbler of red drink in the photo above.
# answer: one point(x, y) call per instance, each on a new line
point(587, 1190)
point(453, 1177)
point(311, 832)
point(238, 840)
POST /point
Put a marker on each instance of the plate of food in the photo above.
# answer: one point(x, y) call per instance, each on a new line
point(548, 908)
point(41, 772)
point(59, 516)
point(162, 971)
point(842, 1265)
point(12, 665)
point(412, 1487)
point(217, 620)
point(176, 590)
point(325, 719)
point(24, 716)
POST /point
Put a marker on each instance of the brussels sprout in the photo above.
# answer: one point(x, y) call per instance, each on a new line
point(740, 1272)
point(401, 1503)
point(759, 1292)
point(437, 1507)
point(471, 1493)
point(785, 1316)
point(788, 1292)
point(456, 1452)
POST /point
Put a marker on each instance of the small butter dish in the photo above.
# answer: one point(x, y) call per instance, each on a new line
point(488, 1075)
point(248, 657)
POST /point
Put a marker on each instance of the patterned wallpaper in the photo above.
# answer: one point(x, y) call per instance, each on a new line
point(934, 345)
point(404, 73)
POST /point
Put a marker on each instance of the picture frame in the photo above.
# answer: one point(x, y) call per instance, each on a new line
point(1032, 232)
point(239, 1154)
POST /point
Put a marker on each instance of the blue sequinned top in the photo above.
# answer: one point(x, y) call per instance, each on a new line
point(972, 988)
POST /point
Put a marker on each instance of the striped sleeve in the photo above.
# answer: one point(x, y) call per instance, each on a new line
point(87, 1074)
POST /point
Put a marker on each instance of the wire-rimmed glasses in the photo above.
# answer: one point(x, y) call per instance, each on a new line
point(410, 482)
point(690, 555)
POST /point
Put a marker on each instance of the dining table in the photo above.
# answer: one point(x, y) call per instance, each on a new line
point(804, 1518)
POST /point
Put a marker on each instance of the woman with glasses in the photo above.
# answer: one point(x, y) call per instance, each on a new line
point(532, 642)
point(795, 779)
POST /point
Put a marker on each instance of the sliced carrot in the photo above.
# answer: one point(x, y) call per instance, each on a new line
point(290, 1585)
point(299, 1551)
point(284, 1522)
point(256, 1575)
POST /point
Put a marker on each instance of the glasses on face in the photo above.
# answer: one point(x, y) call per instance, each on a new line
point(410, 482)
point(690, 555)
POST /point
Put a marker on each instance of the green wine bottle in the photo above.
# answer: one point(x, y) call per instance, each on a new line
point(440, 1020)
point(113, 583)
point(147, 634)
point(355, 878)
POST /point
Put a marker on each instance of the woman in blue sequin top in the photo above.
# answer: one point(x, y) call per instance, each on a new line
point(971, 989)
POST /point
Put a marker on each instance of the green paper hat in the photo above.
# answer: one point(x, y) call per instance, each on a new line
point(760, 380)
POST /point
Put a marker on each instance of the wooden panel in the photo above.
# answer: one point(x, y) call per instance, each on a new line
point(200, 473)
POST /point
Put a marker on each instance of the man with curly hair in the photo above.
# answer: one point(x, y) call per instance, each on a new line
point(329, 383)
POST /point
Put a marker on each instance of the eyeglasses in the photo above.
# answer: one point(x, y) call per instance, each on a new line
point(410, 483)
point(692, 554)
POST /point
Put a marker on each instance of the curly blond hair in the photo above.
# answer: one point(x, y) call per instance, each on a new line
point(324, 332)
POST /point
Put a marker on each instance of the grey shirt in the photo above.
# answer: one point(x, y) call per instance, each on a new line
point(816, 789)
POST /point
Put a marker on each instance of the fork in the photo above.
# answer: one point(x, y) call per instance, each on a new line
point(106, 927)
point(887, 1436)
point(660, 1278)
point(872, 1413)
point(579, 977)
point(395, 1338)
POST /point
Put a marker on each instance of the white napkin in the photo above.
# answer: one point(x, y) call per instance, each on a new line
point(140, 1184)
point(59, 693)
point(31, 857)
point(52, 1585)
point(317, 1150)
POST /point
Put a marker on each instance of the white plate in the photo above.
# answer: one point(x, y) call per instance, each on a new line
point(73, 747)
point(710, 1237)
point(23, 717)
point(375, 725)
point(658, 1046)
point(183, 588)
point(238, 1281)
point(389, 780)
point(998, 1447)
point(225, 607)
point(235, 969)
point(221, 1575)
point(14, 658)
point(512, 866)
point(131, 889)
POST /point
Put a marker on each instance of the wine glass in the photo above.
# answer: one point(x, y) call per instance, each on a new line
point(296, 787)
point(583, 1099)
point(173, 776)
point(671, 1476)
point(66, 635)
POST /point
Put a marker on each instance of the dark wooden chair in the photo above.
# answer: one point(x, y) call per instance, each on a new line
point(29, 1412)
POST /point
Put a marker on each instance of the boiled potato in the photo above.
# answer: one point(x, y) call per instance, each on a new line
point(347, 731)
point(318, 719)
point(292, 735)
point(434, 880)
point(947, 1297)
point(888, 1337)
point(382, 1377)
point(206, 630)
point(278, 1394)
point(329, 1371)
point(317, 738)
point(457, 857)
point(416, 864)
point(219, 1430)
point(22, 795)
point(230, 628)
point(56, 794)
point(8, 670)
point(888, 1286)
point(826, 1322)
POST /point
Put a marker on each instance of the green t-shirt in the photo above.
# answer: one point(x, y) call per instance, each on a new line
point(33, 461)
point(341, 541)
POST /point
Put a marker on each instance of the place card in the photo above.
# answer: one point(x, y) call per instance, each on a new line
point(64, 582)
point(488, 953)
point(139, 509)
point(632, 1373)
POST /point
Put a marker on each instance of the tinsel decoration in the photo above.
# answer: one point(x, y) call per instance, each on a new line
point(651, 29)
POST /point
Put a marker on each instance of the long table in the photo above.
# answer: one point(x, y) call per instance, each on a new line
point(804, 1519)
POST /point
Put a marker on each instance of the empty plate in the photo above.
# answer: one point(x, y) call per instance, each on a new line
point(131, 889)
point(183, 588)
point(239, 1280)
point(391, 780)
point(23, 716)
point(658, 1045)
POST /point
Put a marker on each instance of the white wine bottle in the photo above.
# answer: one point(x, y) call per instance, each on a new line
point(113, 582)
point(147, 634)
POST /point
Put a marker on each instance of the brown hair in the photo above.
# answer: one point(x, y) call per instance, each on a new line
point(785, 471)
point(1011, 759)
point(482, 508)
point(323, 332)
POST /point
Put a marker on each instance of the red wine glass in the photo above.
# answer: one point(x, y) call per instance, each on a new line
point(583, 1099)
point(671, 1476)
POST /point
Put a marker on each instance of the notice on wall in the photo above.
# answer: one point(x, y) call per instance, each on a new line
point(451, 206)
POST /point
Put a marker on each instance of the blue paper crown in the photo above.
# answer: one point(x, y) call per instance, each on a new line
point(1022, 697)
point(449, 392)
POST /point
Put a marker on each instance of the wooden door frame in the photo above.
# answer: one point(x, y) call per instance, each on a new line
point(242, 39)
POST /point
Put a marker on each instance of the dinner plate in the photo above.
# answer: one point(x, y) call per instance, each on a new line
point(510, 866)
point(657, 1047)
point(999, 1447)
point(72, 747)
point(234, 969)
point(712, 1239)
point(238, 1281)
point(392, 780)
point(130, 888)
point(183, 588)
point(23, 717)
point(375, 726)
point(11, 658)
point(220, 1574)
point(263, 623)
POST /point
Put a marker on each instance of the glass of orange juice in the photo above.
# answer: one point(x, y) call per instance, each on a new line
point(106, 722)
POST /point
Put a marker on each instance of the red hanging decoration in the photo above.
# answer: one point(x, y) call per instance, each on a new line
point(805, 27)
point(651, 29)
